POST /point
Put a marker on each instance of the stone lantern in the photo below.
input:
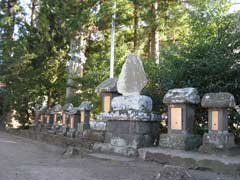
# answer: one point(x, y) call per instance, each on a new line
point(218, 136)
point(108, 90)
point(85, 109)
point(181, 117)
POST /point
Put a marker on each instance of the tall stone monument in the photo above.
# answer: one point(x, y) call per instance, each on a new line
point(131, 123)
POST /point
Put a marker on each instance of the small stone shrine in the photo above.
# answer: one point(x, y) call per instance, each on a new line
point(65, 118)
point(56, 112)
point(74, 121)
point(42, 113)
point(218, 136)
point(130, 123)
point(108, 90)
point(181, 117)
point(49, 118)
point(85, 108)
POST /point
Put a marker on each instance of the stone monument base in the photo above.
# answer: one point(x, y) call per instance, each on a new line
point(126, 136)
point(180, 141)
point(71, 133)
point(213, 142)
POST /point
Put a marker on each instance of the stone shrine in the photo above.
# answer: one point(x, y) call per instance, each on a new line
point(74, 121)
point(85, 108)
point(65, 118)
point(108, 90)
point(218, 136)
point(130, 123)
point(181, 117)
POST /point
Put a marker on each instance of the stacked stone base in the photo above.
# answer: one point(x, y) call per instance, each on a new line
point(180, 141)
point(71, 133)
point(213, 142)
point(126, 136)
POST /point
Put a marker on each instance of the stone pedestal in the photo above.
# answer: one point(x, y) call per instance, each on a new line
point(181, 117)
point(129, 127)
point(218, 137)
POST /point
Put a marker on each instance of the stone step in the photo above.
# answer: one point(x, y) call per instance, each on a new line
point(219, 163)
point(111, 157)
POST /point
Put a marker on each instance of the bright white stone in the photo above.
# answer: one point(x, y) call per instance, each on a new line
point(137, 102)
point(132, 78)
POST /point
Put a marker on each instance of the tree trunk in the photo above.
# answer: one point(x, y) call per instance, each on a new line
point(136, 20)
point(8, 28)
point(155, 46)
point(33, 12)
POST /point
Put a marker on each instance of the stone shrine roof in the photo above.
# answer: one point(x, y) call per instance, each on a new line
point(85, 106)
point(181, 96)
point(67, 107)
point(109, 85)
point(218, 100)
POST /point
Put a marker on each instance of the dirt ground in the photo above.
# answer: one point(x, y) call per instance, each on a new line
point(23, 159)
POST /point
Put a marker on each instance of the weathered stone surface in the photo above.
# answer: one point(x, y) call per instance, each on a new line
point(137, 102)
point(170, 172)
point(109, 85)
point(132, 78)
point(98, 125)
point(129, 115)
point(216, 141)
point(180, 96)
point(192, 160)
point(180, 141)
point(108, 148)
point(133, 127)
point(67, 107)
point(85, 106)
point(43, 109)
point(218, 100)
point(57, 108)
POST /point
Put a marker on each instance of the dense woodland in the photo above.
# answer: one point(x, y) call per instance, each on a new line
point(194, 43)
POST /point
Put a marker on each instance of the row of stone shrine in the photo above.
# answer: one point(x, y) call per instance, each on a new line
point(66, 120)
point(131, 124)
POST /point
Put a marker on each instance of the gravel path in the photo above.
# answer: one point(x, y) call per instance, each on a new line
point(23, 159)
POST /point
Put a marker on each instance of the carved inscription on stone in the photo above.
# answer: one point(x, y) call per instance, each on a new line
point(48, 119)
point(214, 120)
point(107, 103)
point(176, 118)
point(55, 118)
point(72, 121)
point(82, 116)
point(64, 119)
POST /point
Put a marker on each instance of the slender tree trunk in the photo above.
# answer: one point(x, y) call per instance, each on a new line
point(33, 12)
point(155, 46)
point(136, 20)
